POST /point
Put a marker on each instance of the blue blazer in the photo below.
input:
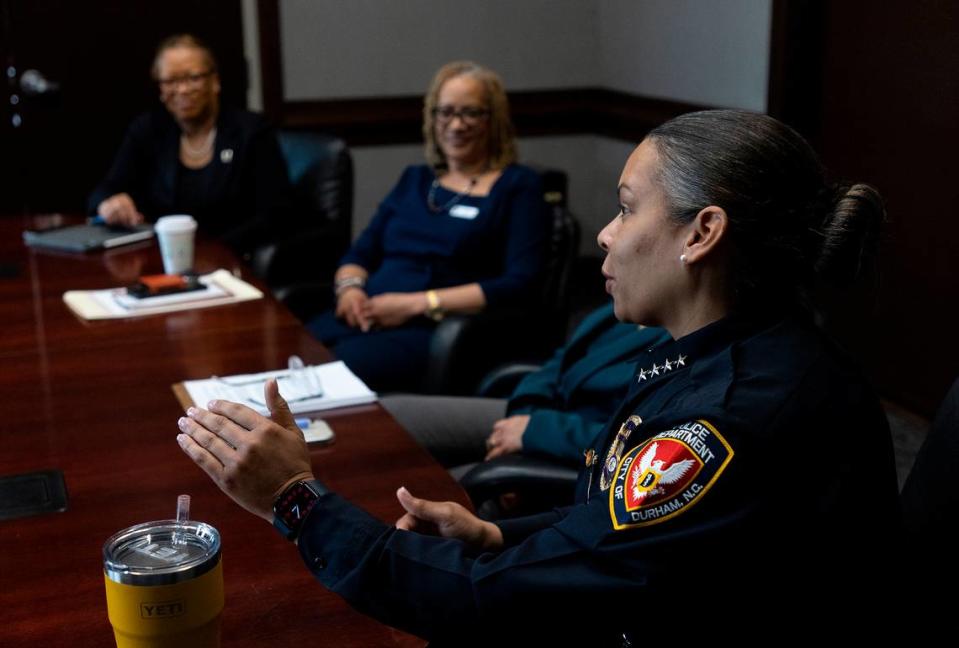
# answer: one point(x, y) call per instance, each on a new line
point(574, 394)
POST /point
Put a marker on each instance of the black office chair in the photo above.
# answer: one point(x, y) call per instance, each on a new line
point(930, 496)
point(466, 347)
point(298, 267)
point(538, 483)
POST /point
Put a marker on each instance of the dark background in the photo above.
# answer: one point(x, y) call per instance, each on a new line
point(874, 86)
point(100, 53)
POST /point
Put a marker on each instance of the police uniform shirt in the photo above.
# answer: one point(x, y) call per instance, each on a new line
point(749, 457)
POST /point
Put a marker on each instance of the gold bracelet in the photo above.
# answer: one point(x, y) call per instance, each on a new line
point(434, 310)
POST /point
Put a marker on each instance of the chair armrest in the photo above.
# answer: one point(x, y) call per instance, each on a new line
point(306, 300)
point(465, 347)
point(500, 382)
point(308, 255)
point(532, 476)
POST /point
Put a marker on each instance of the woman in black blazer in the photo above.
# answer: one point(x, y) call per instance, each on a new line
point(221, 165)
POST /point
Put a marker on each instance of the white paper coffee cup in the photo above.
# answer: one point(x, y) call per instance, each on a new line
point(176, 234)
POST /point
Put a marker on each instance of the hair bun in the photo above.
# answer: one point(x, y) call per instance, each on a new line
point(851, 232)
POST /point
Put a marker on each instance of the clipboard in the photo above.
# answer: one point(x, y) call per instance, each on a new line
point(340, 388)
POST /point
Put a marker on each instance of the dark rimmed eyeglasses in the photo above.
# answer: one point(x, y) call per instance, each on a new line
point(468, 115)
point(188, 80)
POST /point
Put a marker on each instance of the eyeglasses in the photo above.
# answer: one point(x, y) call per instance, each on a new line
point(188, 80)
point(468, 115)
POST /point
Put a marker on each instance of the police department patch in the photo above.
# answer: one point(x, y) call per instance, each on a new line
point(666, 474)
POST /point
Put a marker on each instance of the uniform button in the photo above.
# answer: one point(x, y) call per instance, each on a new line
point(319, 562)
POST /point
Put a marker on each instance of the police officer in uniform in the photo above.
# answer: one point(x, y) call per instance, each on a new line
point(748, 475)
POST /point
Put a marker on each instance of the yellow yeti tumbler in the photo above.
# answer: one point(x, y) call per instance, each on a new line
point(164, 583)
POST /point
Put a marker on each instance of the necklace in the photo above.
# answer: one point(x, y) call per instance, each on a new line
point(199, 152)
point(431, 196)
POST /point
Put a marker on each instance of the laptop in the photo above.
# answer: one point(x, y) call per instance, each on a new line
point(87, 237)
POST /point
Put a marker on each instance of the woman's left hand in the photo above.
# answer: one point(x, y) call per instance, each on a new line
point(393, 309)
point(448, 520)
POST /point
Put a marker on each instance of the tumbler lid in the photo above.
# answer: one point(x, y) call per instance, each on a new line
point(161, 553)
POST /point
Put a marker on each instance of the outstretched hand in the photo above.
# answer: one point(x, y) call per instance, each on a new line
point(447, 519)
point(251, 458)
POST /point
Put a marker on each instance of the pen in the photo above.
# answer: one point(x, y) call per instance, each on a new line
point(252, 381)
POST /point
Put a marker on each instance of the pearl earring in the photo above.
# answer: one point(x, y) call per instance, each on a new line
point(682, 259)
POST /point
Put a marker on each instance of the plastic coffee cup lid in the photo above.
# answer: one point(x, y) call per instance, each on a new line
point(176, 222)
point(161, 553)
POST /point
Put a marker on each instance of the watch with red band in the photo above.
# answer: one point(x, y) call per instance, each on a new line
point(294, 504)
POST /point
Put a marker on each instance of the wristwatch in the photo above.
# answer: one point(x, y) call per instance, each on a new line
point(434, 310)
point(294, 504)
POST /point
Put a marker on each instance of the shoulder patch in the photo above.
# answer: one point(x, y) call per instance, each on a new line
point(668, 473)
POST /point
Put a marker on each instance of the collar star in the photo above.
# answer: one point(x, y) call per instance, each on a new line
point(656, 370)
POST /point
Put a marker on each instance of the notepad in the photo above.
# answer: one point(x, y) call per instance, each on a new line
point(222, 288)
point(339, 387)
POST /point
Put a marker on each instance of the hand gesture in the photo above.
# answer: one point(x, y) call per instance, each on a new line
point(251, 458)
point(447, 519)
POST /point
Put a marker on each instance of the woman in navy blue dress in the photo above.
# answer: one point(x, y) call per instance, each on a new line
point(465, 232)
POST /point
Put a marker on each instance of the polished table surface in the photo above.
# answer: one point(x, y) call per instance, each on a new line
point(93, 399)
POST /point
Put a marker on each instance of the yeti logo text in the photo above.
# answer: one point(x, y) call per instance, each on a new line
point(162, 609)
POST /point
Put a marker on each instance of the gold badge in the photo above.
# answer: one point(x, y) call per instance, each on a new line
point(616, 451)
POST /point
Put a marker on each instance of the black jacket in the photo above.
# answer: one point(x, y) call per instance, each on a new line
point(249, 188)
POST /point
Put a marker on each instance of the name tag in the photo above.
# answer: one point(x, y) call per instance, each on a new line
point(469, 212)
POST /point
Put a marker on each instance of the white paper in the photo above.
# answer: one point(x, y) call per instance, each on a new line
point(340, 388)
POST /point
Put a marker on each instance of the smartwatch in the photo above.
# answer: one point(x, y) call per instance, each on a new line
point(294, 504)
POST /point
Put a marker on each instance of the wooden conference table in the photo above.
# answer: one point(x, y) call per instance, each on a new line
point(93, 400)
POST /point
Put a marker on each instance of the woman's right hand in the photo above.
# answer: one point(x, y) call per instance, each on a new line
point(507, 436)
point(119, 209)
point(351, 306)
